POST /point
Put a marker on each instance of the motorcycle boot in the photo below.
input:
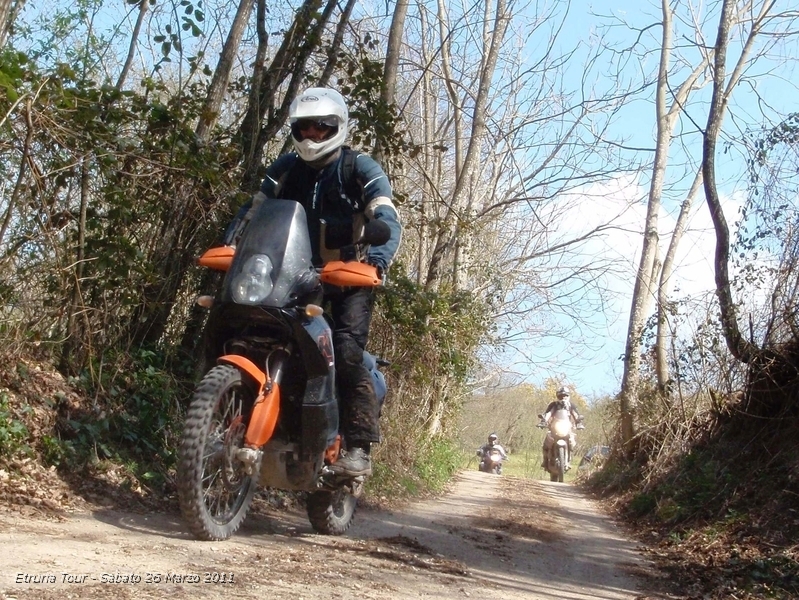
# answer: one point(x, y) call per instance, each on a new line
point(353, 462)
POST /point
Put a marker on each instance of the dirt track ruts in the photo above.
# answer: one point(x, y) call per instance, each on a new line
point(489, 536)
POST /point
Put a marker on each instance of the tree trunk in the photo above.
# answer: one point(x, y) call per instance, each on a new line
point(335, 47)
point(393, 51)
point(75, 348)
point(494, 34)
point(218, 87)
point(19, 186)
point(740, 348)
point(9, 10)
point(662, 340)
point(644, 289)
point(134, 40)
point(265, 116)
point(663, 334)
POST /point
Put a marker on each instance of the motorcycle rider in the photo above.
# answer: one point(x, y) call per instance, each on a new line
point(340, 189)
point(493, 443)
point(563, 402)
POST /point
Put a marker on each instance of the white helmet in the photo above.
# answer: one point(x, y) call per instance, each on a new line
point(326, 106)
point(563, 392)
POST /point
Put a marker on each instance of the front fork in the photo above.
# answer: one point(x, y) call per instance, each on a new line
point(266, 407)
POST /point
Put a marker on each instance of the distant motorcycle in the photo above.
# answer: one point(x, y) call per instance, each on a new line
point(559, 443)
point(491, 461)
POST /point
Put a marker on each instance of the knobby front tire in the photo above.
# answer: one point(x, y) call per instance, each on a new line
point(561, 463)
point(213, 490)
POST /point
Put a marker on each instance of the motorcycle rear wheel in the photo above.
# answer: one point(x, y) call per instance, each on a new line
point(331, 513)
point(213, 489)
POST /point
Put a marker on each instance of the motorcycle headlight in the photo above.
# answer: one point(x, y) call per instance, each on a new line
point(562, 428)
point(254, 283)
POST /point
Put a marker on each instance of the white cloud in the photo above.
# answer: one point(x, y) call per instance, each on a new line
point(590, 359)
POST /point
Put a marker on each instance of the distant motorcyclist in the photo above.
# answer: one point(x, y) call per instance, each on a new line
point(492, 444)
point(563, 402)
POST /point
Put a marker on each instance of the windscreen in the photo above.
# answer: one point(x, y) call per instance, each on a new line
point(278, 230)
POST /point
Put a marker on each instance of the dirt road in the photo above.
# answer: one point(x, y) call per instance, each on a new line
point(489, 537)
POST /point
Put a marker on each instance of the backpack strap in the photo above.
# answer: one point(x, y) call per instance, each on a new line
point(348, 183)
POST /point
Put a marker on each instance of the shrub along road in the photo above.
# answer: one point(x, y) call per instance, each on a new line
point(489, 536)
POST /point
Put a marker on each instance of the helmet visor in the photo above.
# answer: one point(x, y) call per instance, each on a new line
point(313, 128)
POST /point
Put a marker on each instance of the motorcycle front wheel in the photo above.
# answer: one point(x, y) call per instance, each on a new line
point(214, 491)
point(331, 513)
point(561, 463)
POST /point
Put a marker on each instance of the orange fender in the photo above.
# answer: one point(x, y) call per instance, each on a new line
point(246, 365)
point(267, 405)
point(263, 418)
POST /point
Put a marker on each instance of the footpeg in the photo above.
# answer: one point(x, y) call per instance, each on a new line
point(356, 486)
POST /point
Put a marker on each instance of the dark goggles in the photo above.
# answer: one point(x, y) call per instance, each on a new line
point(319, 124)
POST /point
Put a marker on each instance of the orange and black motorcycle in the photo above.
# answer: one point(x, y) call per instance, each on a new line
point(267, 413)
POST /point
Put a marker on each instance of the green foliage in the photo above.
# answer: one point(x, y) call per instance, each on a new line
point(55, 451)
point(786, 132)
point(448, 324)
point(431, 339)
point(170, 40)
point(436, 464)
point(136, 420)
point(146, 181)
point(149, 409)
point(431, 465)
point(13, 431)
point(642, 504)
point(13, 69)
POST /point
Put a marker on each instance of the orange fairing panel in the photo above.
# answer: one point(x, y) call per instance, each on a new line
point(218, 259)
point(246, 365)
point(352, 273)
point(263, 418)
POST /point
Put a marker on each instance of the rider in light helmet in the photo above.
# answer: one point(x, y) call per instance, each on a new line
point(493, 443)
point(318, 119)
point(563, 395)
point(340, 190)
point(563, 402)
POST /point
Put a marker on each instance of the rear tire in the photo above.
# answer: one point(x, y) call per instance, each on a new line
point(331, 513)
point(213, 490)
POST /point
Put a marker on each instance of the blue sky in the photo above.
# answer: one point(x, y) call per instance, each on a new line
point(590, 359)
